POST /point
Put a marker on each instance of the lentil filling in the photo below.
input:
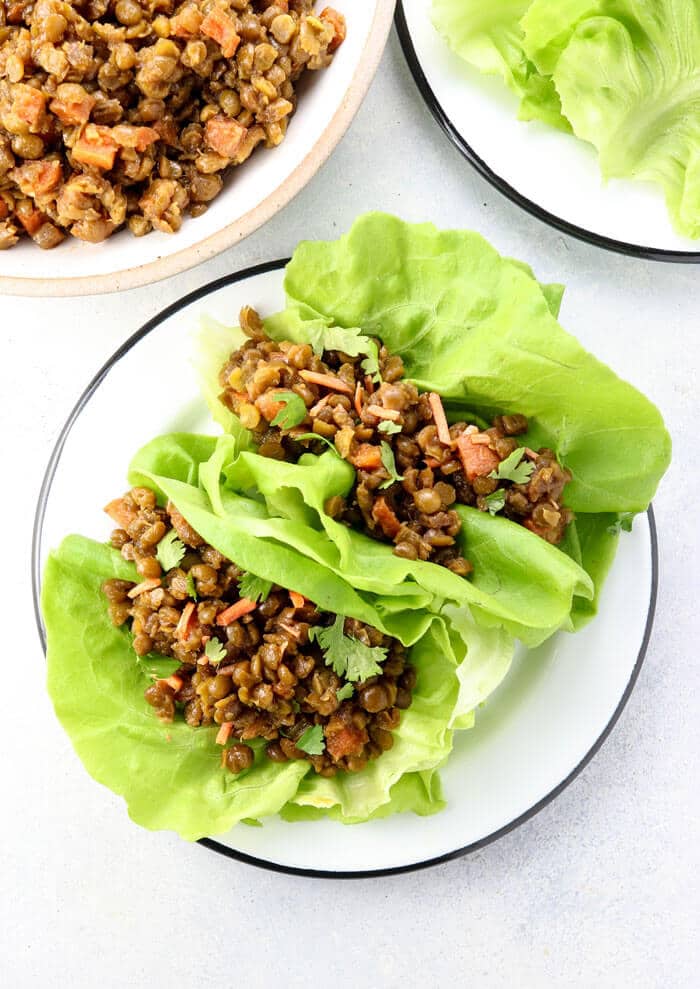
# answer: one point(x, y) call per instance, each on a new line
point(254, 669)
point(412, 467)
point(129, 113)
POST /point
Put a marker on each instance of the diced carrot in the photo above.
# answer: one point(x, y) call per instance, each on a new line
point(385, 517)
point(358, 399)
point(381, 413)
point(298, 600)
point(129, 136)
point(96, 147)
point(432, 463)
point(120, 513)
point(174, 682)
point(477, 460)
point(337, 21)
point(187, 22)
point(224, 135)
point(37, 178)
point(235, 611)
point(146, 585)
point(224, 733)
point(72, 104)
point(28, 104)
point(219, 26)
point(348, 741)
point(31, 219)
point(326, 381)
point(4, 210)
point(182, 627)
point(367, 457)
point(268, 405)
point(443, 430)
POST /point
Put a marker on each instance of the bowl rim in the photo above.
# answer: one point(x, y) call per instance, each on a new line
point(510, 192)
point(230, 235)
point(212, 843)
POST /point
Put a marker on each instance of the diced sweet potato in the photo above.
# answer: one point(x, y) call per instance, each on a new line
point(224, 135)
point(30, 218)
point(477, 460)
point(367, 457)
point(96, 147)
point(349, 740)
point(72, 104)
point(219, 26)
point(38, 178)
point(337, 21)
point(29, 105)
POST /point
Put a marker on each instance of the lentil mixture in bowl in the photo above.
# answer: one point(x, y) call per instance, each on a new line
point(260, 661)
point(413, 468)
point(131, 113)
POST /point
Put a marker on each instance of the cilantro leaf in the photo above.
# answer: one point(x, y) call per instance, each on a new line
point(387, 455)
point(495, 501)
point(345, 692)
point(623, 523)
point(316, 436)
point(511, 469)
point(350, 341)
point(254, 588)
point(312, 741)
point(294, 410)
point(389, 427)
point(191, 589)
point(347, 656)
point(214, 651)
point(170, 551)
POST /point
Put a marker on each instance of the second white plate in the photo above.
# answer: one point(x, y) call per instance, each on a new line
point(553, 175)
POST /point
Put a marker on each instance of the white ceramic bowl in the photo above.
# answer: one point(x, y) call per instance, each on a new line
point(254, 192)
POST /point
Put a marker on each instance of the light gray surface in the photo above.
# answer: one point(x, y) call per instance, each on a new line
point(599, 890)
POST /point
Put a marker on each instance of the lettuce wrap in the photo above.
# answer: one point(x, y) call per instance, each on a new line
point(479, 330)
point(170, 774)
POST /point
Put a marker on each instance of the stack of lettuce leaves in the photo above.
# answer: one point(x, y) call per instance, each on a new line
point(482, 332)
point(623, 75)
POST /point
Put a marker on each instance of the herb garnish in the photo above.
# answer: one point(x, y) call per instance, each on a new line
point(389, 427)
point(511, 469)
point(495, 501)
point(345, 692)
point(387, 455)
point(254, 588)
point(214, 651)
point(170, 551)
point(294, 410)
point(312, 741)
point(348, 657)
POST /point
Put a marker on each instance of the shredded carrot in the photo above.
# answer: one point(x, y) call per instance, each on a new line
point(369, 384)
point(183, 625)
point(358, 399)
point(224, 733)
point(235, 611)
point(219, 26)
point(175, 682)
point(146, 585)
point(384, 515)
point(530, 454)
point(477, 460)
point(119, 512)
point(367, 457)
point(381, 413)
point(325, 381)
point(298, 600)
point(443, 430)
point(480, 439)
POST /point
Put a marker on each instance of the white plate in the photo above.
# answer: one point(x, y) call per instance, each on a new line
point(553, 175)
point(254, 192)
point(533, 735)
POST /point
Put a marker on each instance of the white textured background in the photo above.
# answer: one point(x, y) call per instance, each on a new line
point(599, 890)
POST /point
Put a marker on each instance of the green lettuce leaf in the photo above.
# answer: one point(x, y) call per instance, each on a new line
point(170, 775)
point(489, 36)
